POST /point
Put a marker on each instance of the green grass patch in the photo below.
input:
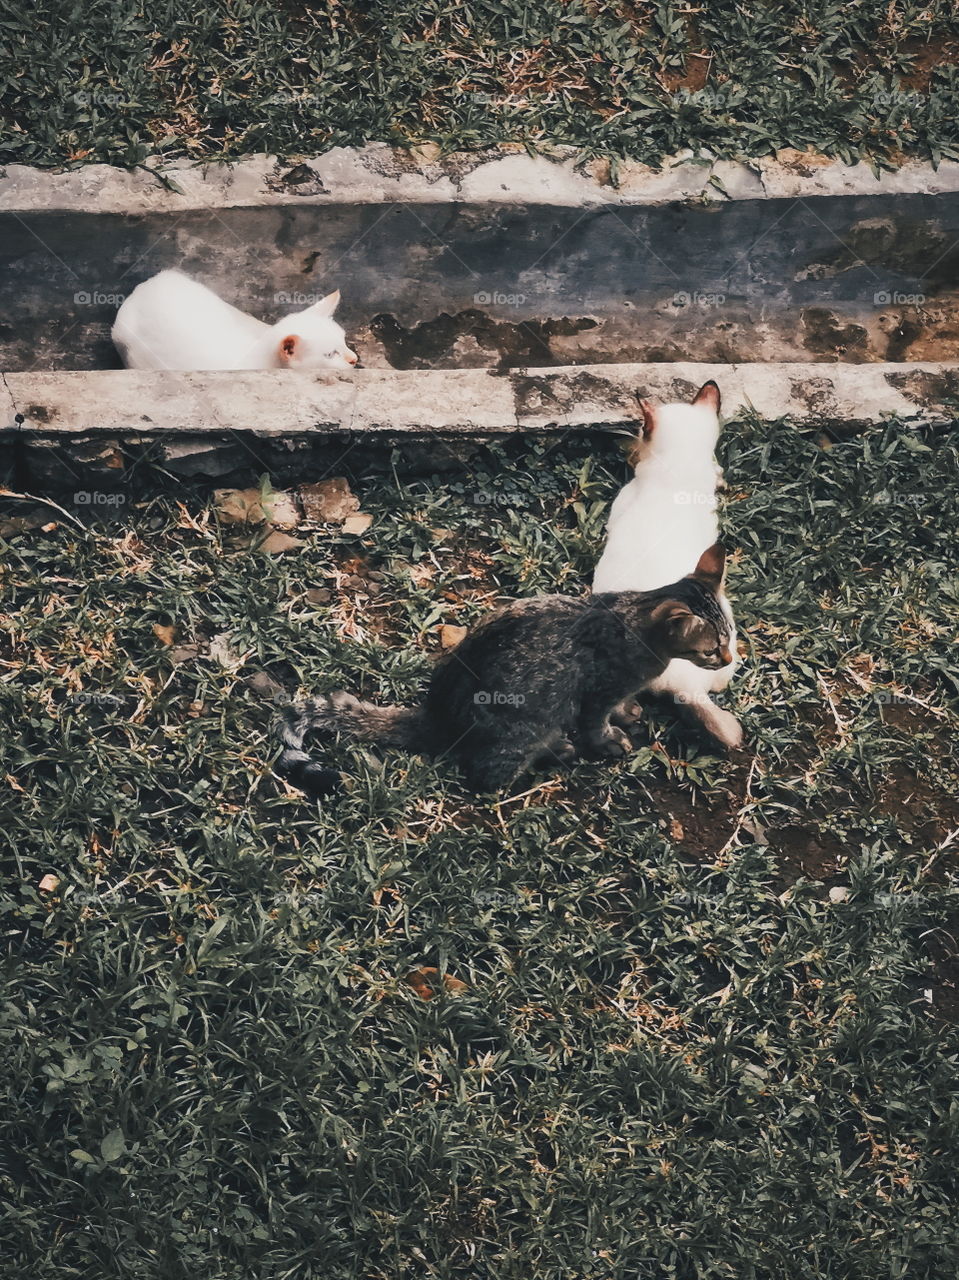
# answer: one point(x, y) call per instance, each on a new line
point(706, 1029)
point(104, 82)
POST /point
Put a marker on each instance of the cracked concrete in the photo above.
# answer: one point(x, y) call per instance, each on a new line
point(460, 401)
point(98, 427)
point(379, 173)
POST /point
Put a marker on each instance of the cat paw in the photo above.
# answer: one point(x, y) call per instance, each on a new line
point(614, 743)
point(627, 715)
point(559, 751)
point(726, 729)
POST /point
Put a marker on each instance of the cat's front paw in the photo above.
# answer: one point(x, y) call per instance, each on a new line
point(558, 751)
point(613, 743)
point(627, 715)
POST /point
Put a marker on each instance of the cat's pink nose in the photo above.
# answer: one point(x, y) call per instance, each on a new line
point(351, 357)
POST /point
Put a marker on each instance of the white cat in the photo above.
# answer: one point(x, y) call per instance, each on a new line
point(173, 322)
point(660, 524)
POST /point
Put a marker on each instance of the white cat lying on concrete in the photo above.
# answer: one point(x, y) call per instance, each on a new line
point(173, 322)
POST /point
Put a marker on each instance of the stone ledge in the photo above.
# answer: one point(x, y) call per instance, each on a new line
point(458, 402)
point(379, 173)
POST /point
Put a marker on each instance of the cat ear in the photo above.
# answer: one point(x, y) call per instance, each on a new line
point(712, 566)
point(326, 306)
point(286, 350)
point(674, 617)
point(649, 418)
point(708, 395)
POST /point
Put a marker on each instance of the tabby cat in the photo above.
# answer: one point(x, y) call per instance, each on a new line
point(537, 679)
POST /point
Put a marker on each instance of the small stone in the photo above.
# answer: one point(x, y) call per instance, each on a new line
point(49, 884)
point(319, 595)
point(838, 893)
point(358, 523)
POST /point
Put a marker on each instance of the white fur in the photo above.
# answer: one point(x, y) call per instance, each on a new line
point(173, 322)
point(659, 525)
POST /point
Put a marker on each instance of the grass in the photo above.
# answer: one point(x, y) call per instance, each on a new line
point(100, 82)
point(705, 1020)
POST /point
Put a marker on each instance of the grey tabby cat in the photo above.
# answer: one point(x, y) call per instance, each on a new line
point(538, 678)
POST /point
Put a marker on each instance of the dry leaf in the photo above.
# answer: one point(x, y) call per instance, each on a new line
point(49, 884)
point(281, 510)
point(425, 981)
point(451, 636)
point(239, 506)
point(676, 831)
point(252, 506)
point(164, 634)
point(277, 542)
point(222, 652)
point(358, 523)
point(184, 653)
point(328, 501)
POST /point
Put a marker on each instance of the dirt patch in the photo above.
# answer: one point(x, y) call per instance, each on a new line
point(516, 344)
point(919, 808)
point(805, 163)
point(826, 335)
point(910, 719)
point(697, 63)
point(926, 388)
point(701, 822)
point(564, 393)
point(926, 57)
point(902, 334)
point(806, 849)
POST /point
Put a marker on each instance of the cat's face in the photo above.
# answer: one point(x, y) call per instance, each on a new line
point(691, 620)
point(312, 339)
point(702, 641)
point(680, 430)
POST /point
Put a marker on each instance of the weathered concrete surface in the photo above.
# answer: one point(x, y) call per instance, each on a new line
point(99, 430)
point(498, 259)
point(379, 174)
point(458, 401)
point(461, 401)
